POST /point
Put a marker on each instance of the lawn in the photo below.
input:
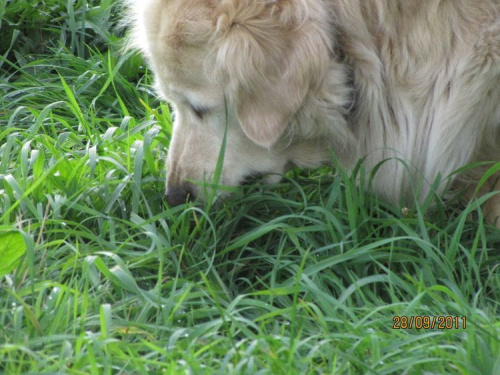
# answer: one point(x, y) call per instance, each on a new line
point(312, 276)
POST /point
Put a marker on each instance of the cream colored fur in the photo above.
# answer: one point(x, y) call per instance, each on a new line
point(412, 84)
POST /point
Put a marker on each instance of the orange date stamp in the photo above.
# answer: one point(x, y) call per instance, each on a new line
point(429, 322)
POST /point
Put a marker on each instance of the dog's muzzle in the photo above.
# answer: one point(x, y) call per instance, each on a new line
point(178, 195)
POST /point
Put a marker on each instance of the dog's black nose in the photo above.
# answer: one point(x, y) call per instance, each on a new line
point(179, 195)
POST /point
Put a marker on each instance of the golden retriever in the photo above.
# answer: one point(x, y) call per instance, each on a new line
point(413, 87)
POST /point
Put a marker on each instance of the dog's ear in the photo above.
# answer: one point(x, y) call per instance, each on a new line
point(271, 53)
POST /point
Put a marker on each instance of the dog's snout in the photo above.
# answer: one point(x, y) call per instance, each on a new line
point(252, 178)
point(178, 195)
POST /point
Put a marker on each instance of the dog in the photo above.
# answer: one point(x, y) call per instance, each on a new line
point(410, 87)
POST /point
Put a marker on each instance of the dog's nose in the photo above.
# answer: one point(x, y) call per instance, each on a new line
point(178, 195)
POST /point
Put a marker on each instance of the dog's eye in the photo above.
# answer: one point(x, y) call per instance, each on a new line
point(200, 112)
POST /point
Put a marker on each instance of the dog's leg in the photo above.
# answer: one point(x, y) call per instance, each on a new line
point(491, 207)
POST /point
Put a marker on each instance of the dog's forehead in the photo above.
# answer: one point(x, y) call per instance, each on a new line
point(188, 23)
point(177, 33)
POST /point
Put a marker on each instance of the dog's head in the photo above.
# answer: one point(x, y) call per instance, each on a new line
point(257, 73)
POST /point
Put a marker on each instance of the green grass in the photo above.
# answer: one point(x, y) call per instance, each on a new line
point(301, 278)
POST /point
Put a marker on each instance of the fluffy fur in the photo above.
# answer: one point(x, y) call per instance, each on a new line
point(413, 87)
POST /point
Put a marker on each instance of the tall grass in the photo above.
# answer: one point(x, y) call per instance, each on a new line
point(304, 277)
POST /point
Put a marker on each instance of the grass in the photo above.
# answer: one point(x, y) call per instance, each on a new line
point(307, 277)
